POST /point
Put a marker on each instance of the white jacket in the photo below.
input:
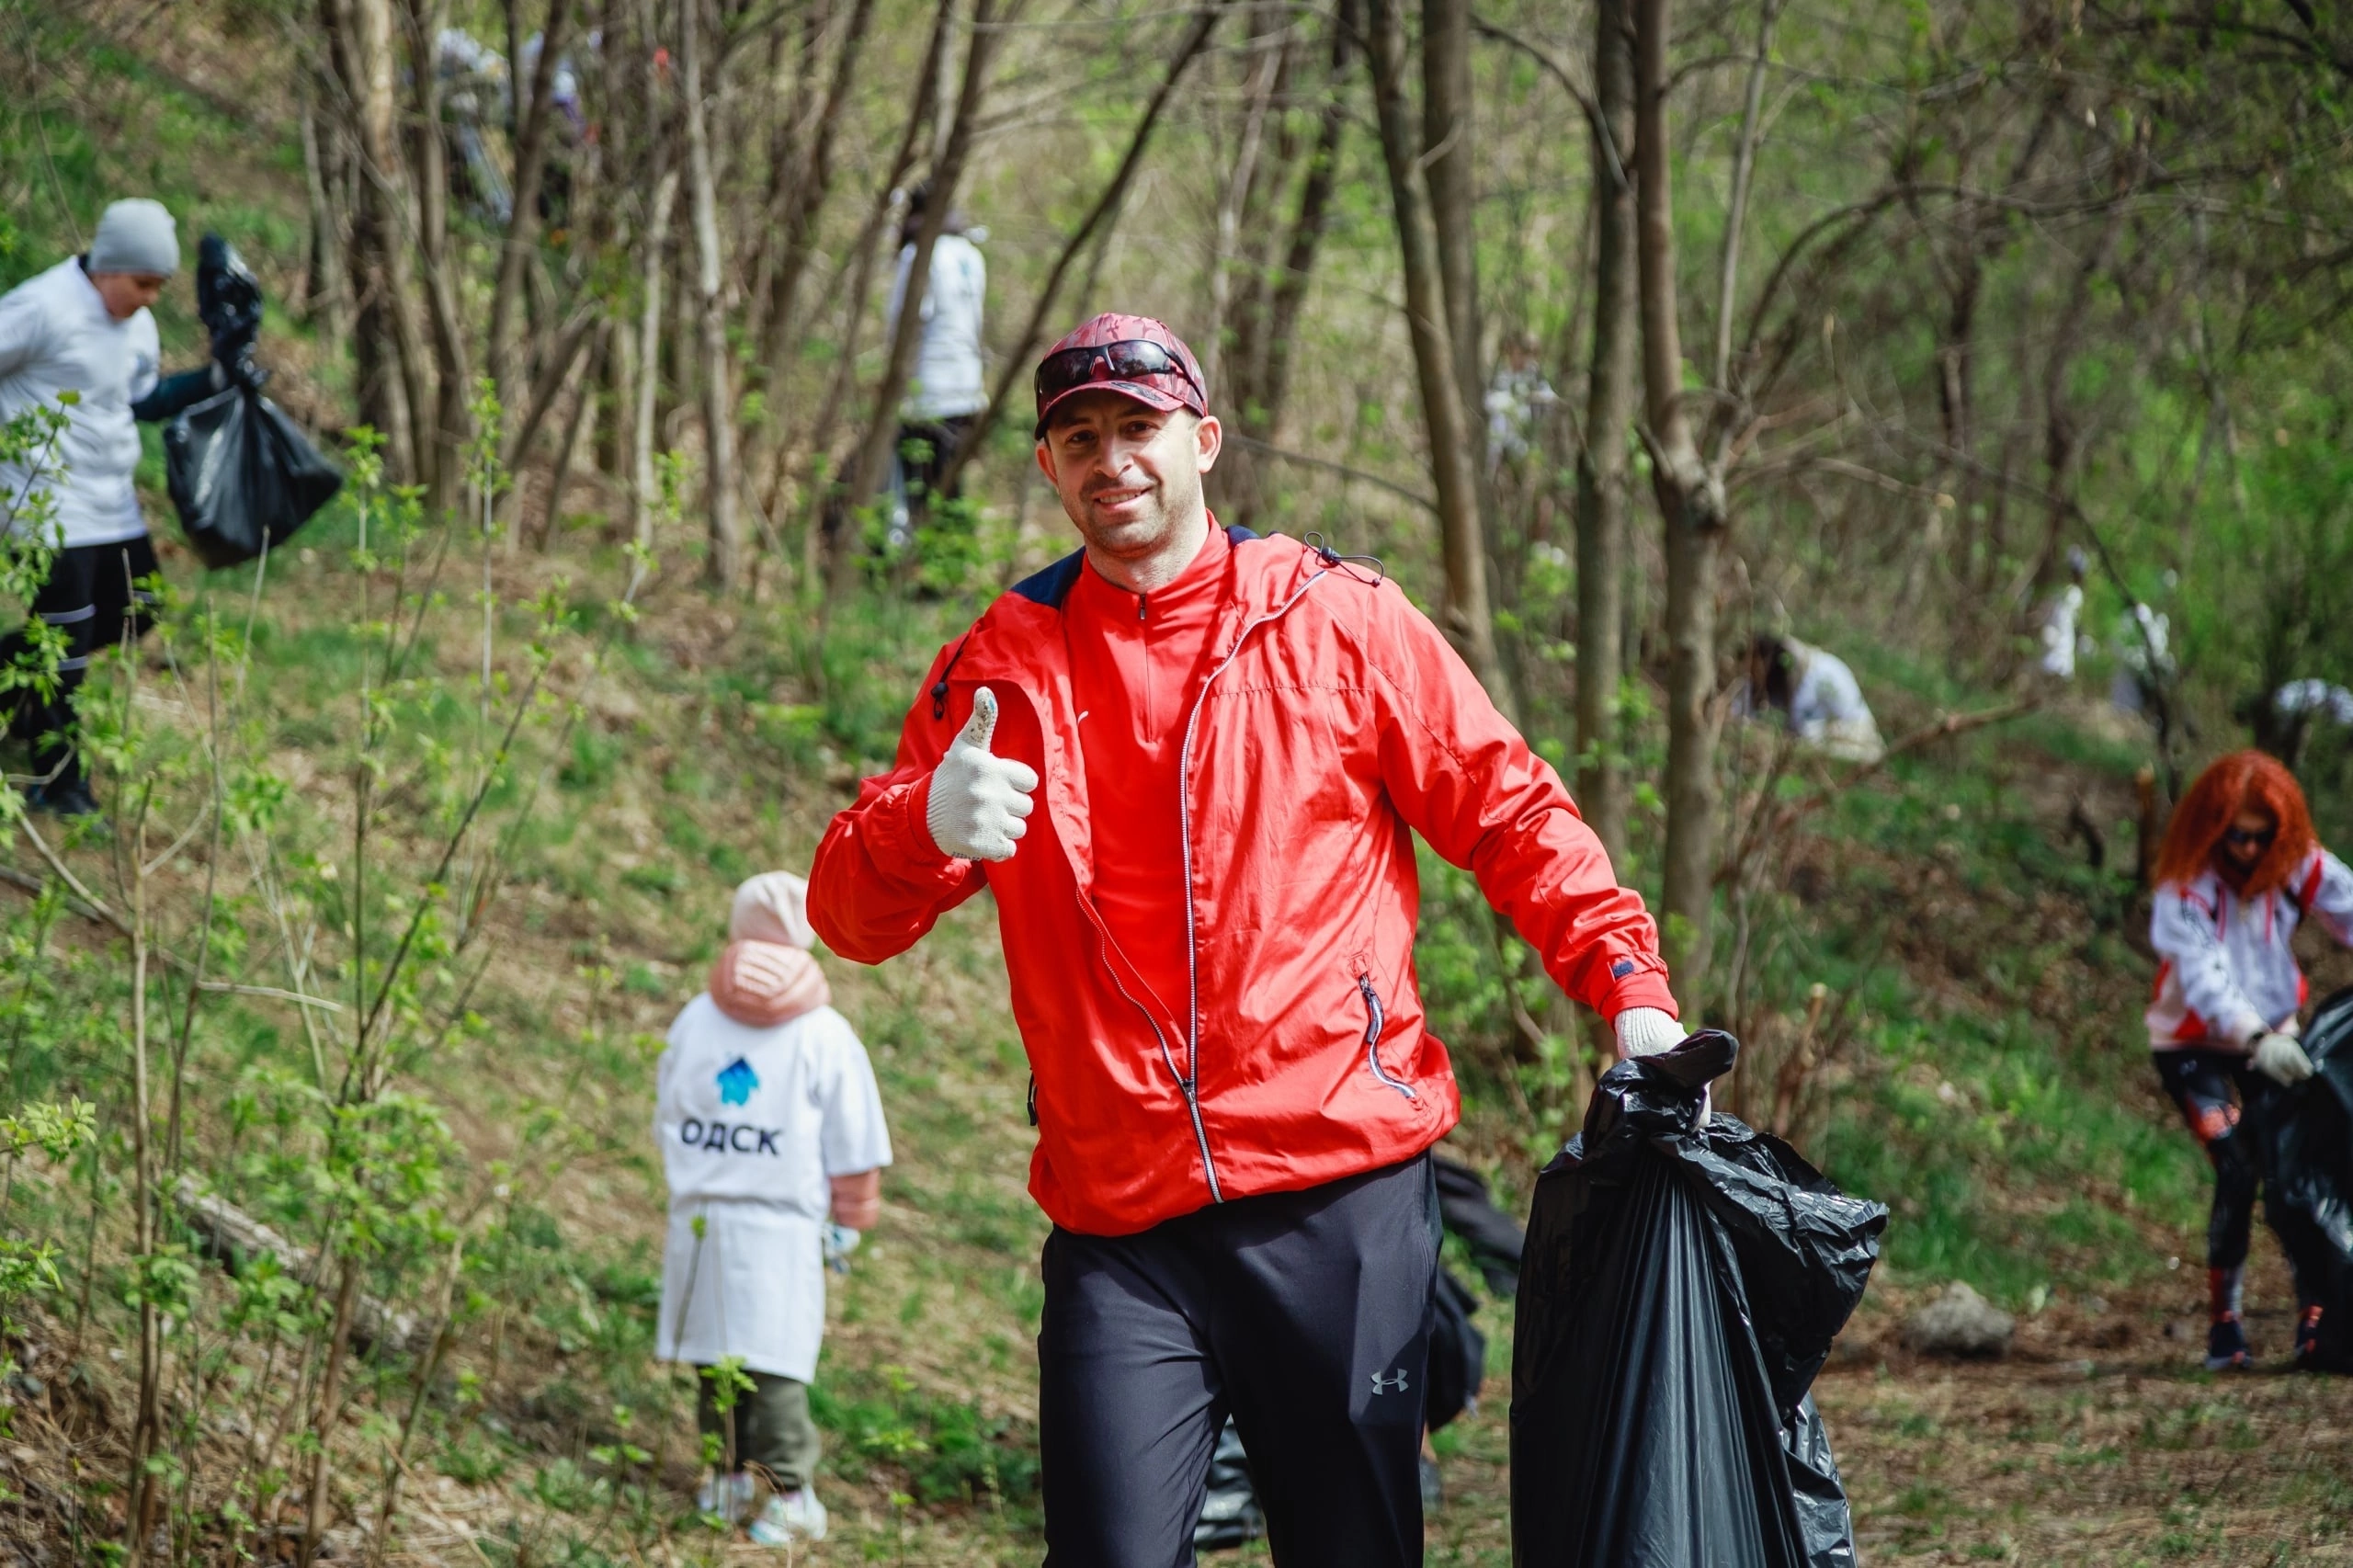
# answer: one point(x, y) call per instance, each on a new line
point(949, 379)
point(2227, 972)
point(752, 1123)
point(55, 335)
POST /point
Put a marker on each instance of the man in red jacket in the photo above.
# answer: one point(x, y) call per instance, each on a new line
point(1189, 763)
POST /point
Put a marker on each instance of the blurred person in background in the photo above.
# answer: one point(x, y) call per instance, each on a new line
point(2239, 870)
point(1815, 692)
point(84, 327)
point(950, 388)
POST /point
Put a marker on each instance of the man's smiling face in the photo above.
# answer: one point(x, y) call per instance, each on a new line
point(1130, 476)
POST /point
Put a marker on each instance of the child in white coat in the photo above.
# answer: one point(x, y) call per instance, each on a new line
point(770, 1125)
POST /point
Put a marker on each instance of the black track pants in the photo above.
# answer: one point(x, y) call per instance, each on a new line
point(1305, 1315)
point(92, 595)
point(2211, 1088)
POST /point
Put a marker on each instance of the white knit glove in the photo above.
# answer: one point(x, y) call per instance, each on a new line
point(1646, 1031)
point(978, 801)
point(2281, 1059)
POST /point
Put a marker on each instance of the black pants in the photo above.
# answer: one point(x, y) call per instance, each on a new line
point(925, 447)
point(1305, 1315)
point(91, 596)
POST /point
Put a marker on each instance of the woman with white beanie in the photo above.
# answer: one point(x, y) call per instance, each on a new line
point(769, 1124)
point(84, 327)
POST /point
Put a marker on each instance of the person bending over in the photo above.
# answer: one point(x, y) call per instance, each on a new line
point(1189, 764)
point(84, 327)
point(2239, 868)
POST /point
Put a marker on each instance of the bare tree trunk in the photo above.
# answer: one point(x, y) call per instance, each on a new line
point(1691, 498)
point(143, 1493)
point(1744, 167)
point(1266, 313)
point(1465, 618)
point(649, 360)
point(805, 199)
point(869, 240)
point(723, 560)
point(327, 291)
point(452, 424)
point(874, 452)
point(361, 33)
point(1259, 91)
point(1016, 368)
point(1449, 171)
point(1601, 465)
point(523, 222)
point(583, 400)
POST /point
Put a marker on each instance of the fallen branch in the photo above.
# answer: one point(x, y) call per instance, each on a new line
point(232, 1237)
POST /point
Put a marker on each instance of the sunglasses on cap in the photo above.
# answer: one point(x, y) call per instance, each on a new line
point(1128, 361)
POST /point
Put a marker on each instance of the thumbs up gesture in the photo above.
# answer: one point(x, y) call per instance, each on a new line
point(978, 801)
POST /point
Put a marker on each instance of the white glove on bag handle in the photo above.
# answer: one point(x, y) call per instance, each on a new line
point(2279, 1058)
point(978, 801)
point(1646, 1031)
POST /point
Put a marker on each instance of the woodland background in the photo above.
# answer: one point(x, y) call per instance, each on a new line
point(331, 1222)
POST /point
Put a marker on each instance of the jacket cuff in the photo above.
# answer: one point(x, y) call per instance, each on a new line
point(901, 832)
point(1644, 988)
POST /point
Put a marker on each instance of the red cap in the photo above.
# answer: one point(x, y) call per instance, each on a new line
point(1166, 390)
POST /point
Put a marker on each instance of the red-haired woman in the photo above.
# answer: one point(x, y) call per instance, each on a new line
point(2240, 866)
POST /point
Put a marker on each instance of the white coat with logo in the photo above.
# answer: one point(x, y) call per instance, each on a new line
point(753, 1125)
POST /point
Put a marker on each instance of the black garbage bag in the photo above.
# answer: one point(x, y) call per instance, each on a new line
point(243, 475)
point(228, 302)
point(2304, 1149)
point(1681, 1288)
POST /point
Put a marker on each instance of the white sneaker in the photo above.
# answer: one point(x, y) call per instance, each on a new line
point(729, 1496)
point(790, 1517)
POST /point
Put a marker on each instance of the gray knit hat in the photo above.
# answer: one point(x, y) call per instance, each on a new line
point(136, 236)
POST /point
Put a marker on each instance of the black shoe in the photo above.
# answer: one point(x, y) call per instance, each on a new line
point(2308, 1358)
point(2226, 1347)
point(66, 798)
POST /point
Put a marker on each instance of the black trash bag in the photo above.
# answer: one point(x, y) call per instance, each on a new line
point(1230, 1516)
point(243, 475)
point(2304, 1150)
point(228, 302)
point(1681, 1288)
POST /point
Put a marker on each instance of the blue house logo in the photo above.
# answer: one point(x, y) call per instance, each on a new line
point(736, 1082)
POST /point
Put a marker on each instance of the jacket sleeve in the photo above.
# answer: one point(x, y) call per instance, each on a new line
point(879, 882)
point(176, 394)
point(2326, 893)
point(1464, 779)
point(2183, 932)
point(24, 329)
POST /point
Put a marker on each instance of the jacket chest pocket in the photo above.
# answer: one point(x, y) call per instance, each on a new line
point(1375, 1018)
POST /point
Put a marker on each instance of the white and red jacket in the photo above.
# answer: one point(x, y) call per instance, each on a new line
point(1334, 723)
point(2227, 972)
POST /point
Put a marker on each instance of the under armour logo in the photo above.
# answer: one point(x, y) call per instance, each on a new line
point(1389, 1382)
